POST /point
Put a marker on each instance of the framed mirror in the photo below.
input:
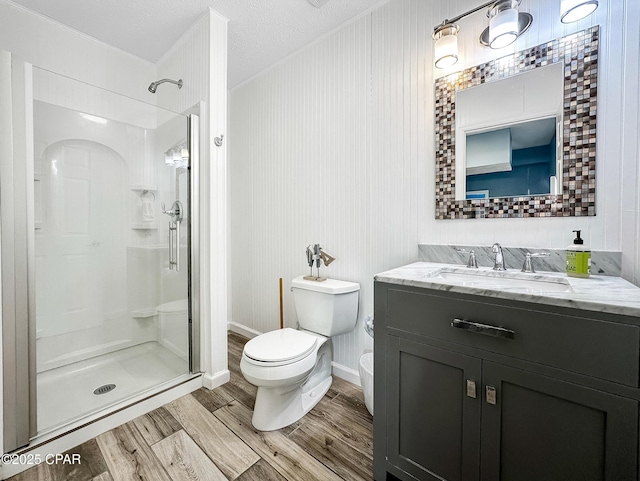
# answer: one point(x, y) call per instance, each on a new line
point(516, 137)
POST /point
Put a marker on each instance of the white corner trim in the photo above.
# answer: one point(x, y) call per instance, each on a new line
point(346, 373)
point(215, 13)
point(242, 330)
point(215, 380)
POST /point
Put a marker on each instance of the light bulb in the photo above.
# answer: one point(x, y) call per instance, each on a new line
point(574, 10)
point(503, 28)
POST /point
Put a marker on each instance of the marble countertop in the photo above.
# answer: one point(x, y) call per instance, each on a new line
point(596, 293)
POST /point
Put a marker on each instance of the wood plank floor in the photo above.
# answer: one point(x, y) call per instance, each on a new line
point(207, 435)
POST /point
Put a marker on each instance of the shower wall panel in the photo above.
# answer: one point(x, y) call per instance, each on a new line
point(100, 270)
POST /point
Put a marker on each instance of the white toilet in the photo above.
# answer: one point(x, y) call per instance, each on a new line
point(292, 368)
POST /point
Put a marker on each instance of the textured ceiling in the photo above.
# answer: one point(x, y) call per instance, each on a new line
point(261, 32)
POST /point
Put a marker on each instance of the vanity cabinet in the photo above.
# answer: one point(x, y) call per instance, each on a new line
point(513, 392)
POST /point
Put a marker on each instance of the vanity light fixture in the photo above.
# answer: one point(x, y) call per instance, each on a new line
point(446, 47)
point(506, 24)
point(574, 10)
point(503, 24)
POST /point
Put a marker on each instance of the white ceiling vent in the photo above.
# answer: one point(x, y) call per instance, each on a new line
point(317, 3)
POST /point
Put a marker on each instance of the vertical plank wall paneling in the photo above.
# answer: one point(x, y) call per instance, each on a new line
point(630, 129)
point(299, 175)
point(184, 60)
point(375, 200)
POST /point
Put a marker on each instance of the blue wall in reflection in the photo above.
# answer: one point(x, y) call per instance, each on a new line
point(532, 168)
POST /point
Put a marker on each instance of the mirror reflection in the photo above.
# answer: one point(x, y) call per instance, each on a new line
point(521, 159)
point(508, 135)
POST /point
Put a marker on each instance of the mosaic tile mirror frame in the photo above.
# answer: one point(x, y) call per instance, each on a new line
point(579, 54)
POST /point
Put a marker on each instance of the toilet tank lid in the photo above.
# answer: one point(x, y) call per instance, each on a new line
point(330, 286)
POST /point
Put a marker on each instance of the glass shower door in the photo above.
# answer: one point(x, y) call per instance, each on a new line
point(111, 228)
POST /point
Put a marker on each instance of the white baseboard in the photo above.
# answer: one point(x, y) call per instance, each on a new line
point(242, 330)
point(56, 445)
point(346, 373)
point(215, 380)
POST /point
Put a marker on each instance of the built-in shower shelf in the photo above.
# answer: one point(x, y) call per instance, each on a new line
point(144, 313)
point(144, 225)
point(144, 187)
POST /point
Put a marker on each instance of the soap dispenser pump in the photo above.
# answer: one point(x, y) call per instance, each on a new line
point(578, 258)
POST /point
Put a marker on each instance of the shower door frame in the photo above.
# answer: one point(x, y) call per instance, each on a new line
point(193, 243)
point(17, 254)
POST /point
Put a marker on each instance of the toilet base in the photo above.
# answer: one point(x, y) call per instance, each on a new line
point(278, 407)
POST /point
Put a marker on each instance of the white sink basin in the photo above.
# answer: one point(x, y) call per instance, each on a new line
point(501, 280)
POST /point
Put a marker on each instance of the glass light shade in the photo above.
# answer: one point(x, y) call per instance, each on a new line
point(503, 28)
point(446, 51)
point(574, 10)
point(168, 159)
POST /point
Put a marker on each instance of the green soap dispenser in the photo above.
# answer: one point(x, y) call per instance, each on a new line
point(578, 258)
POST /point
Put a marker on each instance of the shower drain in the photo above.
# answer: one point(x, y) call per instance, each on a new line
point(104, 389)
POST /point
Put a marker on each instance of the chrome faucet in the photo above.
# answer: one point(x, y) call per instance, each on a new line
point(498, 263)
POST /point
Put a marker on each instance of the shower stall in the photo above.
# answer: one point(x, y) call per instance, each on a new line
point(99, 256)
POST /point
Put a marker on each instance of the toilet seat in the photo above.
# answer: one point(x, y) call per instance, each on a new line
point(280, 347)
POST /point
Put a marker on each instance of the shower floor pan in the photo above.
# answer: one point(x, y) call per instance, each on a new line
point(67, 393)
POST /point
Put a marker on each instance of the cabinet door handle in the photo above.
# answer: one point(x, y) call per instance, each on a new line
point(471, 388)
point(491, 395)
point(483, 329)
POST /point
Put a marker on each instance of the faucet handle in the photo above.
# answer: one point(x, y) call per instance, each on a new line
point(472, 262)
point(528, 264)
point(498, 262)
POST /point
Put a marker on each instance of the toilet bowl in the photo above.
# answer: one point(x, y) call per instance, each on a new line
point(292, 368)
point(173, 318)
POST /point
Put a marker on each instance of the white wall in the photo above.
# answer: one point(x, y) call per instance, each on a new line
point(629, 125)
point(335, 145)
point(299, 175)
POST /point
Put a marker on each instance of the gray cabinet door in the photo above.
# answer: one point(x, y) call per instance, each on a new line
point(545, 429)
point(433, 423)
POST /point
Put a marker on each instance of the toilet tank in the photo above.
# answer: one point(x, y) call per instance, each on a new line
point(328, 308)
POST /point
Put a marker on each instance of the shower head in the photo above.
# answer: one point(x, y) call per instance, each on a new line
point(154, 85)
